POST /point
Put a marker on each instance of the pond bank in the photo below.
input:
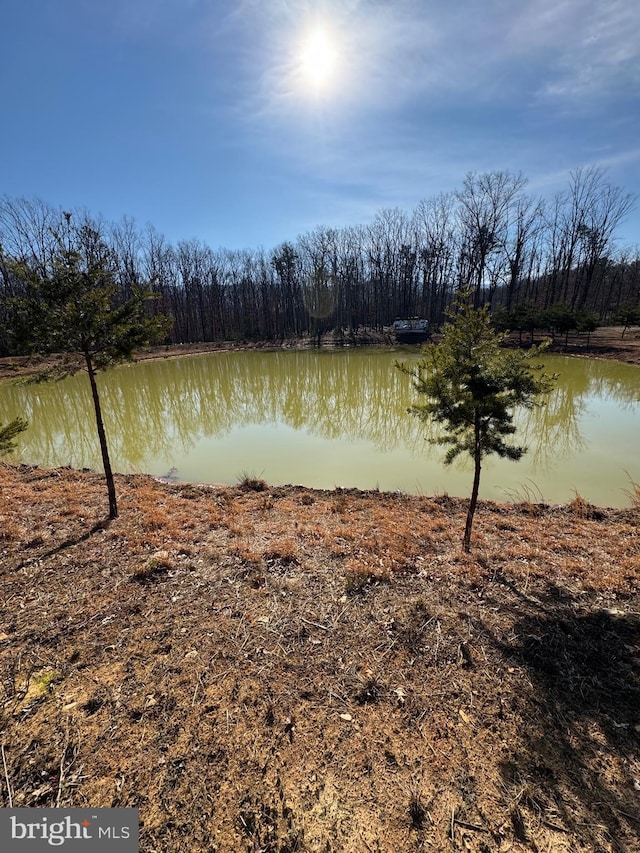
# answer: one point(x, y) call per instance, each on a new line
point(606, 342)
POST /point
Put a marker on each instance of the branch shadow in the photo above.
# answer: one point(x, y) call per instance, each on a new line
point(576, 767)
point(103, 524)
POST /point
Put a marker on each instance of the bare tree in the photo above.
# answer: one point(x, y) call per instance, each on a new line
point(484, 204)
point(489, 236)
point(525, 223)
point(27, 228)
point(126, 242)
point(437, 236)
point(605, 207)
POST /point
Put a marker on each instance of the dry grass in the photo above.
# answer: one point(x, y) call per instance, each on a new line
point(633, 493)
point(286, 669)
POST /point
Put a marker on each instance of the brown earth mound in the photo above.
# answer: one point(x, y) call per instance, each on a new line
point(283, 670)
point(607, 342)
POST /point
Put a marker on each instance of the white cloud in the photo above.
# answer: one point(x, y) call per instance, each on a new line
point(591, 47)
point(430, 91)
point(392, 53)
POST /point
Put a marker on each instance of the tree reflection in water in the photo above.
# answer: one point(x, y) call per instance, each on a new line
point(311, 412)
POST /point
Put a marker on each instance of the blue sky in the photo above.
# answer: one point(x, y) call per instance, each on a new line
point(244, 124)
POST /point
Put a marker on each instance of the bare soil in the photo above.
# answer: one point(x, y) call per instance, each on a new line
point(285, 669)
point(607, 342)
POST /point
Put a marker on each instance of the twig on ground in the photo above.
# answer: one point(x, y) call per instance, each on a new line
point(6, 776)
point(466, 825)
point(62, 767)
point(316, 624)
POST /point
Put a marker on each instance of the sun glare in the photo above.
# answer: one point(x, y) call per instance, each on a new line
point(318, 59)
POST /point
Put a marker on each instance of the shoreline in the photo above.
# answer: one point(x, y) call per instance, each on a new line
point(605, 343)
point(257, 484)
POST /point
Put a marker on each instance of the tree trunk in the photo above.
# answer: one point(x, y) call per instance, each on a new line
point(466, 542)
point(108, 473)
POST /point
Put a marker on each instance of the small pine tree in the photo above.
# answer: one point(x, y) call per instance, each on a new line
point(472, 388)
point(587, 321)
point(628, 314)
point(74, 310)
point(561, 319)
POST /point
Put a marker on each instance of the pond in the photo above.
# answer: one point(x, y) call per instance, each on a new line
point(326, 419)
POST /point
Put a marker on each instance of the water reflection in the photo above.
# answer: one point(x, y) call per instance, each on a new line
point(325, 419)
point(552, 431)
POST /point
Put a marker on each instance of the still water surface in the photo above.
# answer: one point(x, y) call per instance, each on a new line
point(326, 419)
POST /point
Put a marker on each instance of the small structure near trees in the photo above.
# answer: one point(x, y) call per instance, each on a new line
point(411, 330)
point(472, 387)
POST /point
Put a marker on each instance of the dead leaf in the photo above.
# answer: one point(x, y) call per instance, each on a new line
point(400, 693)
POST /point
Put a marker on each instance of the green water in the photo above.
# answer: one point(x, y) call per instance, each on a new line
point(326, 419)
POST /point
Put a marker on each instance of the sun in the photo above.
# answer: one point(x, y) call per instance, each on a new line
point(318, 59)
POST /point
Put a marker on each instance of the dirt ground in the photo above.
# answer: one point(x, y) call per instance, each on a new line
point(280, 670)
point(607, 342)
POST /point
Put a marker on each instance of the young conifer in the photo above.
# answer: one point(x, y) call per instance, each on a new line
point(74, 310)
point(472, 387)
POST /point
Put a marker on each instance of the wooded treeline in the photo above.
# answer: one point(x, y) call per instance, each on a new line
point(508, 247)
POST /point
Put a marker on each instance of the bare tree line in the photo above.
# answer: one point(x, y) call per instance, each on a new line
point(509, 247)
